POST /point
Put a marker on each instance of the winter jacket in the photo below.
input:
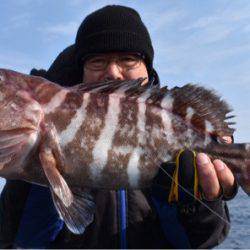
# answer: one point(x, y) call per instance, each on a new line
point(123, 218)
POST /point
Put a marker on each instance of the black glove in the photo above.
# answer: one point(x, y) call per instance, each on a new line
point(177, 182)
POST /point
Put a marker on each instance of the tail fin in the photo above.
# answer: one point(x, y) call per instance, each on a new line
point(243, 165)
point(237, 158)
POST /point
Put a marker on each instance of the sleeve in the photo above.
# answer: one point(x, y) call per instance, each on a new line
point(187, 221)
point(206, 224)
point(40, 222)
point(12, 202)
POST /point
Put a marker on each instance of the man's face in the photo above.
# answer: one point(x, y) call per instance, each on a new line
point(114, 66)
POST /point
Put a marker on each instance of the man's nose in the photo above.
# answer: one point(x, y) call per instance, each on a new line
point(113, 72)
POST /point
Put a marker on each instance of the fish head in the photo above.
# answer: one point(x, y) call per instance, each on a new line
point(20, 118)
point(17, 108)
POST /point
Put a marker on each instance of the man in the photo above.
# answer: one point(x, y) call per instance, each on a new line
point(113, 44)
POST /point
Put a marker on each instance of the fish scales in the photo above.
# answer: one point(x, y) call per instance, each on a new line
point(123, 142)
point(103, 145)
point(106, 135)
point(80, 135)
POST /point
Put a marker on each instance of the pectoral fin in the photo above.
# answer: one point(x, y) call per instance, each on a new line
point(77, 208)
point(79, 214)
point(57, 182)
point(15, 145)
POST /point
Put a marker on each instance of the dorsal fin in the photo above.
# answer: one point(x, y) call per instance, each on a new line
point(197, 105)
point(203, 108)
point(107, 87)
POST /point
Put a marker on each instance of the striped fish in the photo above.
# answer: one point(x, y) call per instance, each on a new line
point(106, 135)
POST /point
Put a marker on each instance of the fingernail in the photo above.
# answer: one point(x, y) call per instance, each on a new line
point(220, 165)
point(202, 159)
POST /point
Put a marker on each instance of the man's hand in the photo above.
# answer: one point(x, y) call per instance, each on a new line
point(214, 176)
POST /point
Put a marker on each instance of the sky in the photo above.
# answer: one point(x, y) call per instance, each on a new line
point(205, 42)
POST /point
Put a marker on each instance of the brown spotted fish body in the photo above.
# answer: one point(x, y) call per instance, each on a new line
point(105, 135)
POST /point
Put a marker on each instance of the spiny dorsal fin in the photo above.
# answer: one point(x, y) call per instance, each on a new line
point(205, 109)
point(196, 105)
point(108, 87)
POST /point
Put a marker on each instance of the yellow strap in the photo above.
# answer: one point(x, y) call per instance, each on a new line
point(174, 194)
point(196, 180)
point(174, 191)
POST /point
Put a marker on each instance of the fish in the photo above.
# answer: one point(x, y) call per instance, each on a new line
point(106, 135)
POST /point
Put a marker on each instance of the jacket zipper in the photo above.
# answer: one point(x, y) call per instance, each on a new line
point(122, 218)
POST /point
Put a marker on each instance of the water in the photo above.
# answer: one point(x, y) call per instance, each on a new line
point(239, 235)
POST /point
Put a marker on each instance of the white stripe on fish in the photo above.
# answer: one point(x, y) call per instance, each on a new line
point(133, 167)
point(189, 114)
point(104, 143)
point(141, 117)
point(167, 105)
point(168, 128)
point(208, 129)
point(133, 164)
point(69, 133)
point(55, 101)
point(167, 102)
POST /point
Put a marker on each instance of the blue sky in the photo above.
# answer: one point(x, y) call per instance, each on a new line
point(206, 42)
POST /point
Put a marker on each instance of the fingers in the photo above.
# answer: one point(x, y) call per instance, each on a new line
point(213, 176)
point(207, 177)
point(226, 139)
point(225, 177)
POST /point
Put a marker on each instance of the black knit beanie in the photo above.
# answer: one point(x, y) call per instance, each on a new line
point(114, 28)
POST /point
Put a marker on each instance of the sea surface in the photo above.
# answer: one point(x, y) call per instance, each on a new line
point(239, 235)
